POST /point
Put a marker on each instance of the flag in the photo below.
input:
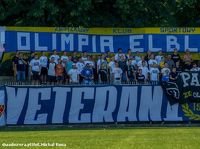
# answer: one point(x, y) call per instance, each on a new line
point(185, 89)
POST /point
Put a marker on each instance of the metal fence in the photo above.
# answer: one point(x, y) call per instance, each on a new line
point(31, 83)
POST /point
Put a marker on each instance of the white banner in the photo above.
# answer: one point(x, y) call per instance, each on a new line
point(88, 104)
point(2, 108)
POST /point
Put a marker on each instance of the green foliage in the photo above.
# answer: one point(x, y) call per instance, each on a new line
point(100, 13)
point(6, 68)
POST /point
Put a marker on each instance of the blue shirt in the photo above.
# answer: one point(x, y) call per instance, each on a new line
point(68, 65)
point(87, 73)
point(165, 78)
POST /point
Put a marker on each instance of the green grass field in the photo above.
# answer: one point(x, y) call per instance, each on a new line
point(108, 138)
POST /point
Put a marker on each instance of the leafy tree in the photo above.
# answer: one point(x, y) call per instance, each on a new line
point(100, 13)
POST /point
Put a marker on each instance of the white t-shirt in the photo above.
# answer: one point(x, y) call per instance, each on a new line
point(91, 63)
point(43, 61)
point(80, 66)
point(137, 58)
point(195, 69)
point(56, 57)
point(134, 63)
point(84, 58)
point(154, 73)
point(99, 62)
point(111, 65)
point(165, 71)
point(117, 72)
point(145, 71)
point(64, 60)
point(74, 73)
point(118, 56)
point(139, 64)
point(158, 58)
point(35, 65)
point(151, 62)
point(51, 69)
point(128, 56)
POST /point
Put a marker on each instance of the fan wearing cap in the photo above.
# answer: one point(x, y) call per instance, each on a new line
point(87, 74)
point(74, 74)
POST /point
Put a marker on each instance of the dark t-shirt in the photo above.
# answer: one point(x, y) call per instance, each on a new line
point(74, 59)
point(130, 71)
point(20, 64)
point(147, 58)
point(178, 70)
point(14, 59)
point(176, 58)
point(26, 66)
point(103, 74)
point(30, 58)
point(123, 66)
point(140, 77)
point(173, 75)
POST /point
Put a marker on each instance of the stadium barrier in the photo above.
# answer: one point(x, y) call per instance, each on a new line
point(91, 104)
point(2, 106)
point(19, 83)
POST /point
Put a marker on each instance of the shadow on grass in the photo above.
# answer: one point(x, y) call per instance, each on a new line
point(96, 127)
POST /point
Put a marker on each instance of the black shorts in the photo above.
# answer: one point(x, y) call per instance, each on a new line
point(52, 78)
point(67, 76)
point(44, 71)
point(59, 78)
point(104, 79)
point(36, 75)
point(80, 79)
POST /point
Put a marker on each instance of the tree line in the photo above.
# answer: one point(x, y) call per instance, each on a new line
point(100, 13)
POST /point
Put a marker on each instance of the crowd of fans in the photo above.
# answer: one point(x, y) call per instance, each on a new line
point(82, 68)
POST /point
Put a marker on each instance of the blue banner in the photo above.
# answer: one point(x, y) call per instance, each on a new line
point(95, 43)
point(93, 104)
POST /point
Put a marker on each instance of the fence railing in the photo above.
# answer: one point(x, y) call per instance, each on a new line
point(24, 83)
